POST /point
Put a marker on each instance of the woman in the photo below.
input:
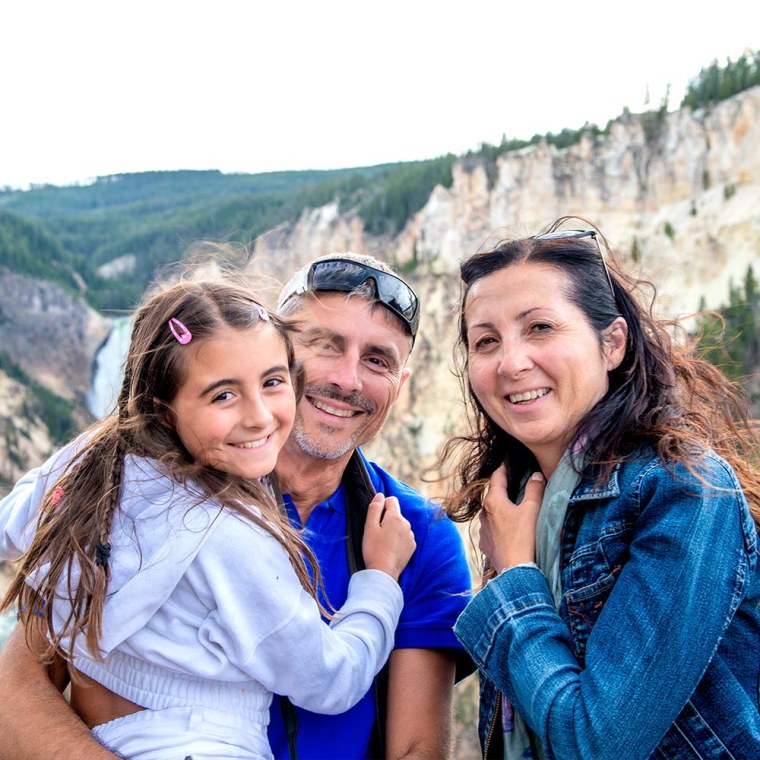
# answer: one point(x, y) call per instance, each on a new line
point(609, 468)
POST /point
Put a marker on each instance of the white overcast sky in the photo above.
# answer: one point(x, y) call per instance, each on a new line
point(91, 88)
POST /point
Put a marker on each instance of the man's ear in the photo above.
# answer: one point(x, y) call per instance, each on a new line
point(405, 373)
point(615, 341)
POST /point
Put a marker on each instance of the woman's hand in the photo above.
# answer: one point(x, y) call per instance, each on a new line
point(508, 530)
point(388, 541)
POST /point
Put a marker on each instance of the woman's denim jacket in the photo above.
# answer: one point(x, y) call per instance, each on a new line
point(656, 650)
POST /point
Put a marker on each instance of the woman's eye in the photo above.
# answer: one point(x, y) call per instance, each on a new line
point(484, 342)
point(223, 396)
point(273, 382)
point(540, 327)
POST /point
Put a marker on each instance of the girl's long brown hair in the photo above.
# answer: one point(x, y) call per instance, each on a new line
point(77, 511)
point(662, 395)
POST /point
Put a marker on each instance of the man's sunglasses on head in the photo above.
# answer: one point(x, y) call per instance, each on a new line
point(344, 276)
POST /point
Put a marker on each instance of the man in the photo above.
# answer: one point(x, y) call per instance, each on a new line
point(358, 323)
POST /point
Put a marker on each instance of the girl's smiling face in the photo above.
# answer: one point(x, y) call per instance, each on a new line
point(236, 407)
point(535, 363)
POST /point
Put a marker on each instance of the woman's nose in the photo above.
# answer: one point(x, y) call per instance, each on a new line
point(515, 360)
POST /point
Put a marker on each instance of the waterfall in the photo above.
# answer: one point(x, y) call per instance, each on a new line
point(7, 623)
point(109, 366)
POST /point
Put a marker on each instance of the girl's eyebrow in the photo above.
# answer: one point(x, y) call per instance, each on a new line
point(278, 368)
point(211, 387)
point(218, 383)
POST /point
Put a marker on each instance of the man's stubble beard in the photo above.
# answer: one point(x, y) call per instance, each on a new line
point(321, 448)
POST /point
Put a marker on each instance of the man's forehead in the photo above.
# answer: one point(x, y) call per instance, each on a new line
point(349, 306)
point(349, 318)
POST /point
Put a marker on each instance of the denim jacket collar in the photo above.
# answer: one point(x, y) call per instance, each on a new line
point(590, 488)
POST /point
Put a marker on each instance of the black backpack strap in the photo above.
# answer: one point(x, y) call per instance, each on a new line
point(359, 492)
point(290, 718)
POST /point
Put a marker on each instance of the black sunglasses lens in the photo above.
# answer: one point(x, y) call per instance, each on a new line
point(344, 276)
point(337, 275)
point(396, 295)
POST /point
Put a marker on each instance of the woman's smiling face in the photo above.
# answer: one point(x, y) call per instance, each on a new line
point(534, 362)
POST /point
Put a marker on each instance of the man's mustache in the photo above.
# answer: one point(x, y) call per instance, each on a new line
point(350, 399)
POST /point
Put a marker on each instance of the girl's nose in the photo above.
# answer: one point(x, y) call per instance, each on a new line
point(257, 413)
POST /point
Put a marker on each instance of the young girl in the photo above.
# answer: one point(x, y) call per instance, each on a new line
point(157, 561)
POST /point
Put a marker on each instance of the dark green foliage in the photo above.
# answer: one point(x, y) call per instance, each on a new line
point(567, 137)
point(731, 339)
point(653, 124)
point(28, 248)
point(716, 83)
point(54, 411)
point(157, 191)
point(563, 139)
point(635, 251)
point(397, 194)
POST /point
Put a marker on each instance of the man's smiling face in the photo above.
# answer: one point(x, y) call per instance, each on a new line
point(353, 353)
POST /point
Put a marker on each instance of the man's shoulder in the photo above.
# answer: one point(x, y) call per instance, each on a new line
point(432, 528)
point(408, 497)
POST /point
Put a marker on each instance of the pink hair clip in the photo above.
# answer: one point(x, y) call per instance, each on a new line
point(179, 331)
point(263, 316)
point(57, 495)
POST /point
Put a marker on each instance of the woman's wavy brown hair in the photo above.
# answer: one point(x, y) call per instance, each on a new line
point(662, 395)
point(73, 531)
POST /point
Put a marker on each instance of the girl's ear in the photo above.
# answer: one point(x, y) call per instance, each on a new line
point(615, 340)
point(164, 413)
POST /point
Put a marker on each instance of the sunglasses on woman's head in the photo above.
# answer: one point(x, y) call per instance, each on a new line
point(575, 234)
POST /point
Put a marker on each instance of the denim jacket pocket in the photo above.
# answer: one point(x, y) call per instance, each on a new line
point(593, 570)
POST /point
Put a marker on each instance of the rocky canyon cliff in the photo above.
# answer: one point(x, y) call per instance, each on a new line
point(676, 194)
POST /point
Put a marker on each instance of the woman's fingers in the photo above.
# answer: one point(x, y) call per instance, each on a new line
point(508, 530)
point(534, 491)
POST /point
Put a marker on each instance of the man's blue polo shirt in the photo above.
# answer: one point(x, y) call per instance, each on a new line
point(436, 585)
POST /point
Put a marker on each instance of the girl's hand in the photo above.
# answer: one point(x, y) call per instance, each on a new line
point(508, 530)
point(388, 541)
